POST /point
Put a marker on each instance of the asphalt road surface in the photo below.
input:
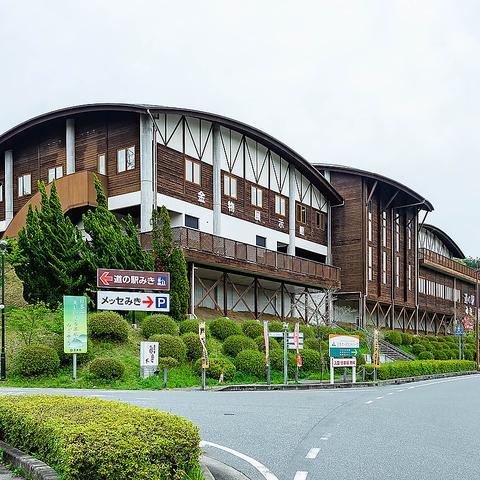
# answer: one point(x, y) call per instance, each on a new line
point(426, 430)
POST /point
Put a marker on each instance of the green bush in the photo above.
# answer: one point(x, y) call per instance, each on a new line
point(453, 353)
point(426, 355)
point(108, 326)
point(276, 360)
point(310, 360)
point(193, 345)
point(223, 328)
point(33, 360)
point(170, 346)
point(441, 355)
point(106, 368)
point(469, 354)
point(236, 343)
point(66, 358)
point(418, 348)
point(86, 438)
point(312, 343)
point(407, 339)
point(191, 326)
point(272, 342)
point(252, 328)
point(159, 325)
point(307, 330)
point(275, 327)
point(393, 337)
point(167, 362)
point(252, 362)
point(216, 366)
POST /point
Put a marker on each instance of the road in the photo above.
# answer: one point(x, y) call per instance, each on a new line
point(421, 431)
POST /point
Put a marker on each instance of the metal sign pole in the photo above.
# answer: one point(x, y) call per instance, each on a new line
point(354, 374)
point(74, 359)
point(285, 353)
point(204, 376)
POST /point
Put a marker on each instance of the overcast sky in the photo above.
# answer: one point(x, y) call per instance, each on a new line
point(385, 86)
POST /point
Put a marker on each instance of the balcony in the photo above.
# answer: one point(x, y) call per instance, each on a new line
point(446, 265)
point(205, 248)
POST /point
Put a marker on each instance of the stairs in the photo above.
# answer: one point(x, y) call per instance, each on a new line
point(392, 352)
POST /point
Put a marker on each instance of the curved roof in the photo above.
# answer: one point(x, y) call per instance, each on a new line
point(446, 239)
point(273, 144)
point(416, 198)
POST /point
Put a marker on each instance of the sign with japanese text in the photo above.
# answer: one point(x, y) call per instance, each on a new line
point(467, 323)
point(296, 332)
point(74, 324)
point(203, 339)
point(292, 343)
point(149, 354)
point(376, 350)
point(343, 345)
point(136, 301)
point(344, 362)
point(137, 280)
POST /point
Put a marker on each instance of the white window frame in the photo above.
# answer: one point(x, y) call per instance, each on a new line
point(1, 192)
point(55, 173)
point(130, 158)
point(280, 205)
point(397, 272)
point(384, 267)
point(397, 232)
point(25, 185)
point(409, 237)
point(193, 173)
point(256, 196)
point(370, 263)
point(229, 186)
point(370, 223)
point(409, 277)
point(384, 229)
point(121, 160)
point(102, 164)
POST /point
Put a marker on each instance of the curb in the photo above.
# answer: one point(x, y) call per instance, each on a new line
point(328, 386)
point(36, 469)
point(219, 471)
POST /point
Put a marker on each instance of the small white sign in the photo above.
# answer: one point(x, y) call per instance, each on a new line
point(344, 341)
point(138, 301)
point(344, 362)
point(149, 354)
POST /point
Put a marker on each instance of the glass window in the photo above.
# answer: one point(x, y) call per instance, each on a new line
point(384, 267)
point(301, 213)
point(191, 222)
point(130, 158)
point(121, 160)
point(192, 171)
point(59, 172)
point(102, 164)
point(319, 220)
point(256, 196)
point(384, 229)
point(230, 186)
point(27, 187)
point(397, 272)
point(1, 192)
point(370, 222)
point(397, 232)
point(370, 264)
point(280, 205)
point(51, 175)
point(261, 241)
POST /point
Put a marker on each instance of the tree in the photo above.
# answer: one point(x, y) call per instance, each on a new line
point(470, 262)
point(162, 238)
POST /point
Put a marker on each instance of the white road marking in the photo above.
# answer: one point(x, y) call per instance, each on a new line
point(300, 475)
point(312, 453)
point(410, 388)
point(401, 390)
point(266, 473)
point(323, 438)
point(93, 396)
point(369, 402)
point(390, 393)
point(379, 398)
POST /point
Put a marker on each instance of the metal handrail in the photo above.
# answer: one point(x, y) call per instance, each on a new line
point(446, 262)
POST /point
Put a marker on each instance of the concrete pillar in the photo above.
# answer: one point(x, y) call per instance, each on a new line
point(8, 186)
point(70, 145)
point(291, 210)
point(146, 173)
point(217, 181)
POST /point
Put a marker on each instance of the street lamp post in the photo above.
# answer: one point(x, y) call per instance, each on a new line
point(3, 248)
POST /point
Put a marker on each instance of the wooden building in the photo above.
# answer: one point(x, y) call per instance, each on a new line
point(251, 214)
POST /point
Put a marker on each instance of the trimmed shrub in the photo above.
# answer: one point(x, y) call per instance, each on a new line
point(167, 362)
point(426, 355)
point(453, 353)
point(393, 337)
point(236, 343)
point(260, 341)
point(312, 343)
point(106, 368)
point(193, 345)
point(223, 328)
point(307, 330)
point(86, 438)
point(108, 326)
point(276, 360)
point(418, 348)
point(34, 360)
point(441, 355)
point(361, 360)
point(170, 346)
point(252, 328)
point(310, 360)
point(275, 327)
point(217, 365)
point(191, 326)
point(407, 339)
point(159, 325)
point(252, 362)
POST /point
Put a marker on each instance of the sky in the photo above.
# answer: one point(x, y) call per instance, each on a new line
point(386, 86)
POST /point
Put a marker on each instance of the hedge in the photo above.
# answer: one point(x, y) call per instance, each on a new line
point(426, 355)
point(33, 360)
point(217, 365)
point(252, 328)
point(190, 326)
point(170, 346)
point(310, 360)
point(107, 368)
point(276, 360)
point(312, 343)
point(108, 326)
point(236, 343)
point(159, 325)
point(223, 327)
point(252, 362)
point(85, 438)
point(193, 344)
point(393, 337)
point(260, 341)
point(420, 367)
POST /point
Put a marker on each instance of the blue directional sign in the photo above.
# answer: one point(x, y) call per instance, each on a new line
point(459, 330)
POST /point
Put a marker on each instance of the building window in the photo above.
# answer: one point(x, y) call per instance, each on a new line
point(409, 237)
point(397, 272)
point(384, 229)
point(102, 164)
point(192, 171)
point(397, 232)
point(261, 241)
point(229, 186)
point(410, 277)
point(319, 220)
point(55, 173)
point(370, 264)
point(384, 267)
point(280, 205)
point(191, 222)
point(24, 185)
point(125, 159)
point(1, 192)
point(301, 213)
point(370, 222)
point(257, 197)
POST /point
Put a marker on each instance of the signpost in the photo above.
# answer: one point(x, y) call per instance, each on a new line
point(136, 301)
point(267, 349)
point(343, 350)
point(205, 363)
point(148, 358)
point(74, 327)
point(133, 279)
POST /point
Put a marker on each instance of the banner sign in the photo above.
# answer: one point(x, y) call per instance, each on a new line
point(343, 345)
point(133, 279)
point(203, 340)
point(138, 301)
point(295, 339)
point(344, 362)
point(74, 324)
point(467, 323)
point(267, 343)
point(376, 350)
point(149, 354)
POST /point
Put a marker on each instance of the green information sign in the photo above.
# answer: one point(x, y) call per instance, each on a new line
point(343, 352)
point(74, 324)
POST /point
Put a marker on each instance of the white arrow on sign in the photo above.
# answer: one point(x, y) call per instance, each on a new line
point(136, 301)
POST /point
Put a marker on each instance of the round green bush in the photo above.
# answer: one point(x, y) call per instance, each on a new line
point(312, 343)
point(440, 355)
point(236, 343)
point(393, 337)
point(193, 344)
point(34, 360)
point(108, 326)
point(216, 366)
point(276, 360)
point(310, 360)
point(170, 346)
point(453, 354)
point(223, 328)
point(469, 354)
point(159, 325)
point(418, 348)
point(106, 368)
point(167, 362)
point(260, 341)
point(275, 327)
point(425, 355)
point(430, 346)
point(441, 339)
point(251, 362)
point(361, 360)
point(407, 339)
point(191, 326)
point(252, 328)
point(307, 330)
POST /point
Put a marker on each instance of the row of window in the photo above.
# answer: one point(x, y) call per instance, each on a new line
point(384, 269)
point(434, 289)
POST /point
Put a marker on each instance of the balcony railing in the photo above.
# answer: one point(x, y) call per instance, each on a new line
point(255, 259)
point(446, 264)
